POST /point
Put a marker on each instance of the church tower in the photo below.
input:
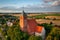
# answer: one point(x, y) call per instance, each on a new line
point(23, 21)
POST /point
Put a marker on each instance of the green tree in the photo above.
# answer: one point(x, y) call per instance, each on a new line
point(32, 37)
point(18, 33)
point(10, 33)
point(54, 34)
point(25, 36)
point(49, 38)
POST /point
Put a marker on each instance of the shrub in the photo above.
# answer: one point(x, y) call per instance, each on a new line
point(54, 34)
point(32, 37)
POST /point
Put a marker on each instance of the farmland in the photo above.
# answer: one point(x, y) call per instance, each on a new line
point(47, 18)
point(55, 22)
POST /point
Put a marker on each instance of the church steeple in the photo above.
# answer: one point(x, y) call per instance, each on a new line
point(24, 14)
point(23, 21)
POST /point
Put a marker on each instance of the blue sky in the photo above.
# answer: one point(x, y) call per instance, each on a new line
point(19, 2)
point(30, 5)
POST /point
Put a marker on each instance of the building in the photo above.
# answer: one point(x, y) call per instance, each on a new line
point(30, 26)
point(10, 24)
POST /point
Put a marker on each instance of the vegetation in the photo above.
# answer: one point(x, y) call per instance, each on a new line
point(32, 37)
point(54, 34)
point(14, 32)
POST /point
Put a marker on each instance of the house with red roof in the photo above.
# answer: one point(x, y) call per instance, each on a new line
point(30, 26)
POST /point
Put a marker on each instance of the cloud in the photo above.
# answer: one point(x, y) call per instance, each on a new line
point(31, 8)
point(9, 11)
point(52, 2)
point(47, 5)
point(56, 3)
point(46, 1)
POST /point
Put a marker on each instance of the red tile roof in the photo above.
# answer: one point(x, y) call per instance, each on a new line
point(32, 26)
point(38, 29)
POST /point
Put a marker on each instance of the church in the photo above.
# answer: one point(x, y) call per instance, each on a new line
point(30, 26)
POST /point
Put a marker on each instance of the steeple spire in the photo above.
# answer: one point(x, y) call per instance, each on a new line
point(23, 11)
point(24, 14)
point(23, 21)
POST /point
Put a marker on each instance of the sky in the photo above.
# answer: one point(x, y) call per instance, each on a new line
point(30, 5)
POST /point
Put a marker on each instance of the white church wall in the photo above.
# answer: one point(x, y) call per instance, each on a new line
point(42, 34)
